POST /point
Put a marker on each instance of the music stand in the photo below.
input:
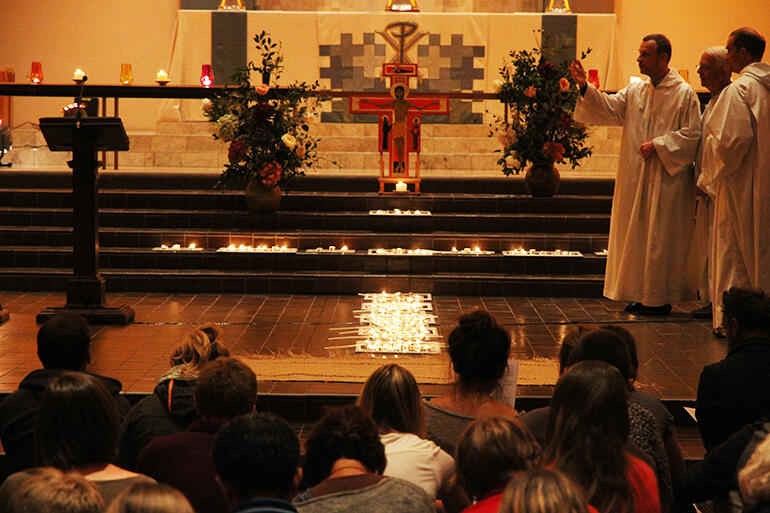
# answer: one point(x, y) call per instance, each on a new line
point(84, 137)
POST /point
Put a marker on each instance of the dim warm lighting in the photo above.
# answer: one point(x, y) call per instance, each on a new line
point(536, 253)
point(78, 75)
point(262, 248)
point(401, 252)
point(126, 74)
point(36, 74)
point(399, 212)
point(331, 249)
point(558, 6)
point(178, 247)
point(467, 251)
point(603, 252)
point(207, 75)
point(402, 6)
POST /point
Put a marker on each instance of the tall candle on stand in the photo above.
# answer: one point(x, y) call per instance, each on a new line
point(161, 78)
point(78, 74)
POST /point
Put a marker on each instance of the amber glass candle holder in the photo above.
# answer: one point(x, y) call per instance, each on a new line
point(36, 73)
point(126, 74)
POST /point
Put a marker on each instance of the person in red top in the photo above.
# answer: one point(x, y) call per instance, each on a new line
point(490, 451)
point(587, 439)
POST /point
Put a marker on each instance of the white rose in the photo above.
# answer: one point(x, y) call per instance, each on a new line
point(289, 141)
point(512, 162)
point(206, 105)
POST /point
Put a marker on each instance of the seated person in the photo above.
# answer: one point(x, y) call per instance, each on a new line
point(490, 452)
point(256, 457)
point(150, 498)
point(343, 470)
point(62, 345)
point(587, 439)
point(479, 349)
point(77, 431)
point(171, 407)
point(753, 480)
point(736, 390)
point(544, 491)
point(51, 490)
point(225, 389)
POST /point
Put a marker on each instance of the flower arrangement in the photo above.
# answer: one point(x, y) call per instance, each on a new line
point(267, 127)
point(538, 126)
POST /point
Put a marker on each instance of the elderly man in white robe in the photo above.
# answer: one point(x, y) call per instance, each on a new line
point(715, 76)
point(737, 154)
point(654, 202)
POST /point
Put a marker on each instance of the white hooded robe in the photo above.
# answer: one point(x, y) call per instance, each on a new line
point(737, 150)
point(653, 206)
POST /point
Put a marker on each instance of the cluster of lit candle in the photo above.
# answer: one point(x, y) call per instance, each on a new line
point(603, 252)
point(398, 212)
point(126, 76)
point(178, 247)
point(398, 323)
point(401, 251)
point(535, 252)
point(331, 249)
point(468, 251)
point(263, 248)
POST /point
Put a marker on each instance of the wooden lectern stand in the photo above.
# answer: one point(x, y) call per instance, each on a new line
point(85, 137)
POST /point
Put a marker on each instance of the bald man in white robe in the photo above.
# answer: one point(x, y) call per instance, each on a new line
point(737, 151)
point(654, 201)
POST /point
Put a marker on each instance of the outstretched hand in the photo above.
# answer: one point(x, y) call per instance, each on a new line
point(578, 73)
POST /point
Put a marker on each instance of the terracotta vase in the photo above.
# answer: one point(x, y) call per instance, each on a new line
point(262, 198)
point(542, 179)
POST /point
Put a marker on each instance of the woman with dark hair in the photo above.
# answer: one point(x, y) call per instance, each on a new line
point(587, 439)
point(391, 396)
point(344, 462)
point(478, 348)
point(77, 430)
point(171, 407)
point(489, 453)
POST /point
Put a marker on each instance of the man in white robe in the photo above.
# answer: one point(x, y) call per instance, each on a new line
point(654, 202)
point(737, 153)
point(715, 76)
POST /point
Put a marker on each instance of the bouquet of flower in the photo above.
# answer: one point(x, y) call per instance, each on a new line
point(267, 127)
point(538, 127)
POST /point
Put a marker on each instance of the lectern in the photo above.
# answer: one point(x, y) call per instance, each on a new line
point(84, 137)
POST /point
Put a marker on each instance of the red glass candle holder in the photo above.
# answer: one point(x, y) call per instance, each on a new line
point(36, 74)
point(593, 77)
point(207, 75)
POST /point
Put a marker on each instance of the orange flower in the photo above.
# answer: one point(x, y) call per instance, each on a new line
point(530, 92)
point(262, 89)
point(563, 84)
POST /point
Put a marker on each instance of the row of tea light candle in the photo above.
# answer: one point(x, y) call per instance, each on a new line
point(264, 248)
point(126, 75)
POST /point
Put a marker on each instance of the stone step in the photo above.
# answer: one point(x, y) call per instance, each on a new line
point(297, 282)
point(305, 239)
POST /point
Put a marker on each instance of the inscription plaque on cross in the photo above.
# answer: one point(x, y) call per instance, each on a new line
point(399, 113)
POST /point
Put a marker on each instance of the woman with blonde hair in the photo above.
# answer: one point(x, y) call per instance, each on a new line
point(391, 396)
point(150, 498)
point(171, 407)
point(543, 491)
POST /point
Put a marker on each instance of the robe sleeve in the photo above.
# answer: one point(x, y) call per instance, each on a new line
point(676, 148)
point(597, 108)
point(729, 134)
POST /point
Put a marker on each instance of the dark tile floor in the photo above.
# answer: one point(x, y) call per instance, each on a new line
point(672, 350)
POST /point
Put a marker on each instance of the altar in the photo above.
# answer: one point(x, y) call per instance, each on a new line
point(345, 51)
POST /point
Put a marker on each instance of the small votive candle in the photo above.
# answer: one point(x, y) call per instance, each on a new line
point(36, 74)
point(207, 75)
point(78, 74)
point(400, 187)
point(126, 74)
point(161, 76)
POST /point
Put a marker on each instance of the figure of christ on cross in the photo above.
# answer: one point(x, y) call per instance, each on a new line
point(398, 130)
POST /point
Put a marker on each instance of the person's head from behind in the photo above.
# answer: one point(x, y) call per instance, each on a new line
point(199, 347)
point(51, 490)
point(745, 314)
point(490, 451)
point(744, 46)
point(225, 388)
point(391, 396)
point(543, 491)
point(630, 342)
point(588, 430)
point(63, 343)
point(479, 348)
point(150, 498)
point(77, 423)
point(604, 346)
point(256, 455)
point(568, 342)
point(342, 433)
